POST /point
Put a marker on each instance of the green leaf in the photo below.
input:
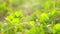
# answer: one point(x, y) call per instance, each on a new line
point(52, 12)
point(57, 28)
point(44, 17)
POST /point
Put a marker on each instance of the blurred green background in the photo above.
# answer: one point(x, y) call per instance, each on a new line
point(29, 16)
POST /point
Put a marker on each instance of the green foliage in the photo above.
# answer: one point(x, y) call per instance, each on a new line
point(57, 29)
point(3, 8)
point(53, 12)
point(15, 17)
point(44, 18)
